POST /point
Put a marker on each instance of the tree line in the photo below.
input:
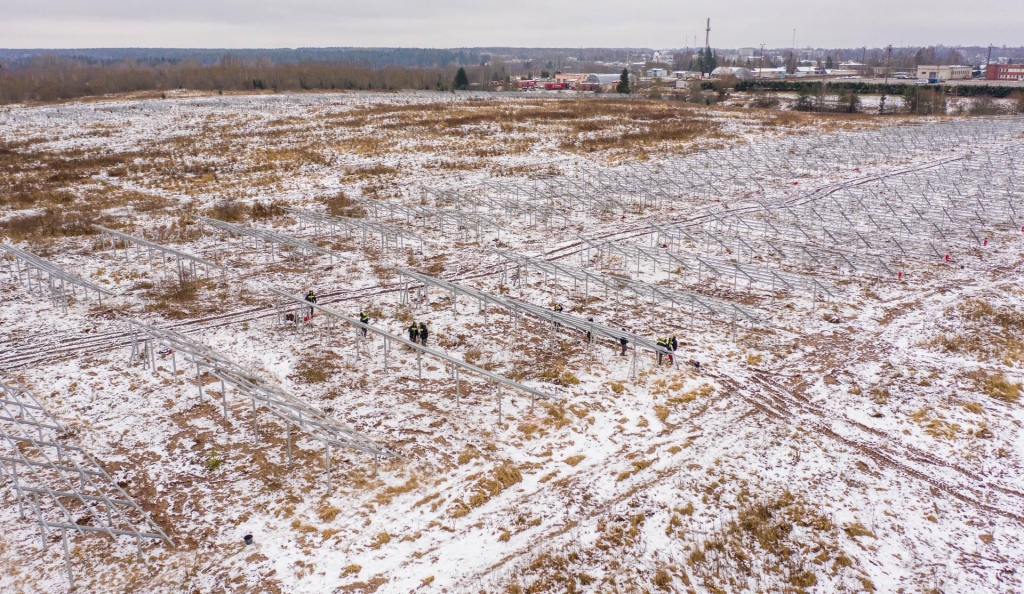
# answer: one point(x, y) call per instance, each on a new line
point(51, 78)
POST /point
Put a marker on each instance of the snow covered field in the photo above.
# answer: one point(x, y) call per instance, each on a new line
point(867, 440)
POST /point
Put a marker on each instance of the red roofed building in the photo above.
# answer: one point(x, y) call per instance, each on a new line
point(1005, 72)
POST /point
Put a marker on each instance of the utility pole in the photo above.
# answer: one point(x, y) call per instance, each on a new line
point(760, 62)
point(988, 63)
point(888, 58)
point(707, 49)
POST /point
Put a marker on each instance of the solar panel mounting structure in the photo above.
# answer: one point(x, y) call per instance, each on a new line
point(269, 238)
point(696, 264)
point(519, 308)
point(749, 241)
point(567, 194)
point(571, 195)
point(186, 263)
point(389, 234)
point(654, 293)
point(897, 220)
point(463, 222)
point(63, 487)
point(289, 409)
point(495, 195)
point(21, 264)
point(455, 364)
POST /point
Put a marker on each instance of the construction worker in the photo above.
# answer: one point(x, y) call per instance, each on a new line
point(558, 309)
point(662, 344)
point(673, 345)
point(590, 337)
point(414, 332)
point(423, 333)
point(364, 319)
point(311, 298)
point(624, 342)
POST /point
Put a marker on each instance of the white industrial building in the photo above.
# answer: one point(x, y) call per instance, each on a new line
point(943, 73)
point(738, 72)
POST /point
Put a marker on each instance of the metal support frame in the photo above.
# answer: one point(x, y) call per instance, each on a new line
point(289, 409)
point(270, 239)
point(420, 350)
point(389, 234)
point(185, 263)
point(717, 308)
point(63, 486)
point(517, 308)
point(22, 265)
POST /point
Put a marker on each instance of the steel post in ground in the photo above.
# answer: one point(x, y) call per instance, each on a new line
point(39, 518)
point(67, 559)
point(288, 429)
point(17, 489)
point(327, 459)
point(224, 398)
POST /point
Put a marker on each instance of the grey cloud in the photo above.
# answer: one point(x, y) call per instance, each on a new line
point(454, 23)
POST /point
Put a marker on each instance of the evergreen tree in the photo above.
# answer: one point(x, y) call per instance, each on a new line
point(623, 86)
point(461, 80)
point(790, 63)
point(712, 60)
point(829, 64)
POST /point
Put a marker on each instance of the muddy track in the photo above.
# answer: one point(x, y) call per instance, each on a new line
point(911, 453)
point(780, 404)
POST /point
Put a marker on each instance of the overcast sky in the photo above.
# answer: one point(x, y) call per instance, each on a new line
point(522, 23)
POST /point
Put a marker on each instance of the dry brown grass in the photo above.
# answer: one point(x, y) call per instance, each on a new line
point(488, 487)
point(316, 369)
point(182, 298)
point(995, 386)
point(52, 223)
point(340, 205)
point(763, 539)
point(986, 331)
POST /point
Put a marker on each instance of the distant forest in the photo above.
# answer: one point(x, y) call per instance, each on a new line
point(46, 75)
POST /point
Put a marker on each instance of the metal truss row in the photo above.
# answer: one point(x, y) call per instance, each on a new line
point(21, 265)
point(186, 263)
point(392, 234)
point(269, 238)
point(933, 213)
point(290, 410)
point(698, 266)
point(299, 304)
point(498, 195)
point(461, 222)
point(519, 308)
point(654, 293)
point(754, 246)
point(58, 484)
